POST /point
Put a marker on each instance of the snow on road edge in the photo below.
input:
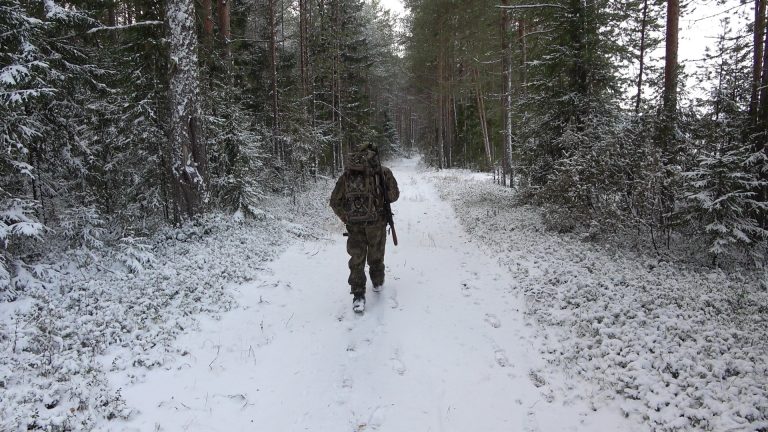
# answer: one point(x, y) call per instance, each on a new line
point(689, 345)
point(97, 315)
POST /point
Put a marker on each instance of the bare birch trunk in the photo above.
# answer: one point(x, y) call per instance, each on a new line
point(440, 109)
point(482, 117)
point(523, 52)
point(506, 94)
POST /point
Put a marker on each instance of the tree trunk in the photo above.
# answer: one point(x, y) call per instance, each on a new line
point(207, 18)
point(111, 17)
point(763, 101)
point(187, 147)
point(643, 29)
point(482, 118)
point(225, 32)
point(440, 110)
point(757, 58)
point(762, 127)
point(273, 76)
point(506, 93)
point(303, 50)
point(129, 14)
point(449, 131)
point(412, 133)
point(580, 71)
point(466, 150)
point(667, 139)
point(337, 32)
point(670, 65)
point(447, 126)
point(454, 127)
point(523, 52)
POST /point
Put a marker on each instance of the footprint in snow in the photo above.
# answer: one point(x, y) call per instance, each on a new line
point(501, 358)
point(343, 396)
point(397, 365)
point(373, 422)
point(493, 320)
point(393, 303)
point(351, 349)
point(347, 382)
point(466, 289)
point(532, 423)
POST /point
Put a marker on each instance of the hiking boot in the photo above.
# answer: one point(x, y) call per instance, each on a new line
point(358, 303)
point(377, 288)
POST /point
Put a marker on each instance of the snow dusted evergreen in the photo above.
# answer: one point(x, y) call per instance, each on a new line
point(728, 202)
point(725, 186)
point(44, 81)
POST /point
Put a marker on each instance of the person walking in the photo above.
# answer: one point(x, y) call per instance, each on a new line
point(359, 200)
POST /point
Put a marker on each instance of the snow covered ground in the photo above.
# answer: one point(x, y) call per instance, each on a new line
point(689, 344)
point(445, 346)
point(121, 309)
point(487, 322)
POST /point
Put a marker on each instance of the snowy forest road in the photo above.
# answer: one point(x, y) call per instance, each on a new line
point(444, 346)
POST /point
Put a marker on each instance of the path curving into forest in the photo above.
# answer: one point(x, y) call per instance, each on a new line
point(444, 347)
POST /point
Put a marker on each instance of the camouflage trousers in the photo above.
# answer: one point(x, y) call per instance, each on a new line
point(366, 242)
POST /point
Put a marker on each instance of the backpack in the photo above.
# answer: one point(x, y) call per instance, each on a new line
point(361, 198)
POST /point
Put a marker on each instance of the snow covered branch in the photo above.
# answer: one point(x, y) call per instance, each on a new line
point(531, 6)
point(127, 26)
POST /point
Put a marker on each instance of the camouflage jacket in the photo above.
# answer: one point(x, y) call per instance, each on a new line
point(339, 194)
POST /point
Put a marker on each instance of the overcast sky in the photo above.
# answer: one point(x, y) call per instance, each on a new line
point(698, 25)
point(394, 5)
point(701, 23)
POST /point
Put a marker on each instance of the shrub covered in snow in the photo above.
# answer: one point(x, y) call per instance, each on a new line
point(18, 226)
